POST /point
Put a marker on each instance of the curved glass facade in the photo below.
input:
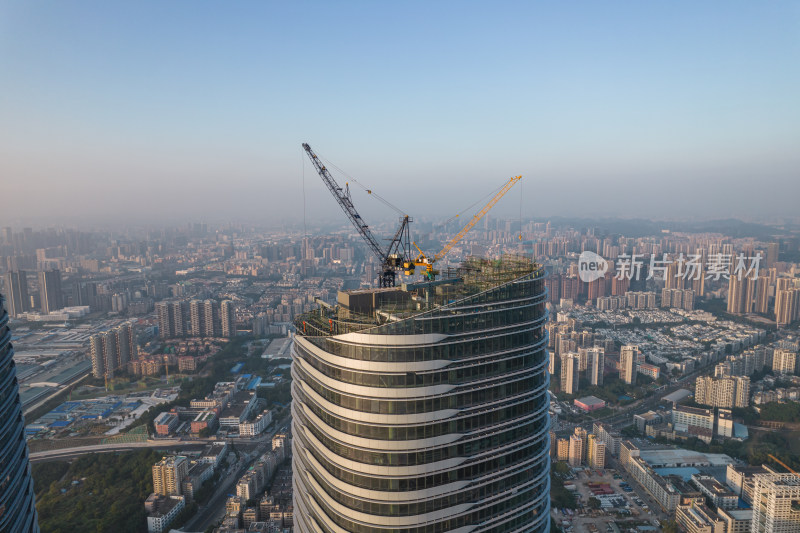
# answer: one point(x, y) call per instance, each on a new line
point(17, 509)
point(433, 423)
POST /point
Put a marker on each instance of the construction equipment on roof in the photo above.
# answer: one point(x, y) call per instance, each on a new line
point(427, 262)
point(398, 250)
point(398, 254)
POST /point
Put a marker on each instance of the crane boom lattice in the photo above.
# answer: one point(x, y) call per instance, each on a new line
point(398, 250)
point(476, 218)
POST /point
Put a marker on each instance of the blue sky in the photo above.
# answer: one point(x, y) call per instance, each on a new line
point(141, 111)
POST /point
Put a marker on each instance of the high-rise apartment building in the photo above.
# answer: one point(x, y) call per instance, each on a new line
point(17, 508)
point(211, 319)
point(205, 319)
point(723, 392)
point(407, 403)
point(168, 475)
point(111, 351)
point(196, 318)
point(628, 356)
point(596, 362)
point(170, 319)
point(50, 298)
point(563, 449)
point(228, 318)
point(596, 452)
point(18, 301)
point(784, 361)
point(125, 344)
point(584, 436)
point(787, 301)
point(96, 354)
point(575, 451)
point(761, 304)
point(570, 373)
point(775, 503)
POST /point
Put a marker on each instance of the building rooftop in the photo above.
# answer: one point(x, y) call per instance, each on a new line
point(590, 400)
point(363, 309)
point(678, 457)
point(694, 410)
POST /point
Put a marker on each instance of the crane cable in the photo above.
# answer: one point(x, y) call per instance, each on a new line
point(481, 199)
point(303, 166)
point(369, 191)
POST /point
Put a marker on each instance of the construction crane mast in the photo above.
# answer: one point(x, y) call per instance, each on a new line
point(398, 250)
point(427, 263)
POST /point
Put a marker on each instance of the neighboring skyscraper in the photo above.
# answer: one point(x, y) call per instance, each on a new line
point(775, 498)
point(50, 291)
point(228, 319)
point(168, 474)
point(398, 423)
point(627, 364)
point(17, 291)
point(17, 508)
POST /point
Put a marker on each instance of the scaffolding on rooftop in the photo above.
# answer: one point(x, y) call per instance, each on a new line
point(473, 276)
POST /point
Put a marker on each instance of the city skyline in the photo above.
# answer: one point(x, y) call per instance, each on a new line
point(154, 113)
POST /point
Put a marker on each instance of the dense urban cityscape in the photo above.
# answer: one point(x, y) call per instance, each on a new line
point(192, 354)
point(420, 267)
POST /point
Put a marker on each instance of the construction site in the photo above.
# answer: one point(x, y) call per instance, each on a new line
point(435, 379)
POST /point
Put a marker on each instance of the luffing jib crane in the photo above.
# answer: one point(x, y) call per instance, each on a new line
point(395, 255)
point(427, 262)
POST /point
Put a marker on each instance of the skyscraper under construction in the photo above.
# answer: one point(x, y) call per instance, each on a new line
point(423, 408)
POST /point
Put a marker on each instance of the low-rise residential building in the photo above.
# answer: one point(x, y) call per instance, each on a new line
point(650, 418)
point(257, 426)
point(238, 410)
point(214, 453)
point(198, 473)
point(162, 510)
point(694, 421)
point(736, 520)
point(715, 492)
point(694, 517)
point(651, 371)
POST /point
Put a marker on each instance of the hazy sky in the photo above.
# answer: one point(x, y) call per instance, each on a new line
point(175, 110)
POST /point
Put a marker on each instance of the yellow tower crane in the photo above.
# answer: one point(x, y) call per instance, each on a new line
point(427, 263)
